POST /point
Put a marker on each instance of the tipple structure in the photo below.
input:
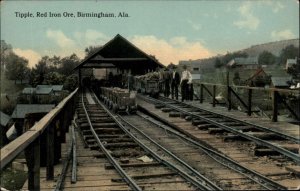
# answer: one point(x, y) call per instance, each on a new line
point(119, 100)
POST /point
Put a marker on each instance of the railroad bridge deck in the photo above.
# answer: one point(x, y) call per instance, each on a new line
point(100, 178)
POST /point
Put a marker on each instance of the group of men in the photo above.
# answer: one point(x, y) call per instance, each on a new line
point(172, 78)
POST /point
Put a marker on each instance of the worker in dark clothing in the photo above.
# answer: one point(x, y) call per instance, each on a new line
point(166, 77)
point(175, 80)
point(186, 76)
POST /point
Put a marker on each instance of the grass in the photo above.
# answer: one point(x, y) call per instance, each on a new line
point(13, 179)
point(9, 94)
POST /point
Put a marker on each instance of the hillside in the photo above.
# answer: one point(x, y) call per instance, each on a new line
point(253, 51)
point(273, 47)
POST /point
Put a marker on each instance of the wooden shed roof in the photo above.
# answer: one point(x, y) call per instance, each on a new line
point(22, 109)
point(4, 119)
point(119, 53)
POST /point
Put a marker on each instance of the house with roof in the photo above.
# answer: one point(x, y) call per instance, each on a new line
point(244, 63)
point(21, 110)
point(258, 79)
point(37, 95)
point(281, 82)
point(57, 89)
point(290, 62)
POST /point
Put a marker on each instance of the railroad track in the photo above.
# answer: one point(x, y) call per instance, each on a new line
point(233, 128)
point(103, 131)
point(204, 159)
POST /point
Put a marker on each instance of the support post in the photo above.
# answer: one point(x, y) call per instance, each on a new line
point(275, 106)
point(50, 152)
point(229, 97)
point(249, 101)
point(79, 77)
point(214, 96)
point(32, 153)
point(201, 93)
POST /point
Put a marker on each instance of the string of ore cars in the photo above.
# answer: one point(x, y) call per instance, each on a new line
point(121, 100)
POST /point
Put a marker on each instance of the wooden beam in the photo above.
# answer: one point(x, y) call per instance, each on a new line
point(10, 151)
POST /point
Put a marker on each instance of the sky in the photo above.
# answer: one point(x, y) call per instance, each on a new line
point(170, 30)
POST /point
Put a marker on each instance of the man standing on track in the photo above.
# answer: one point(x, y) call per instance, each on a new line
point(186, 76)
point(175, 80)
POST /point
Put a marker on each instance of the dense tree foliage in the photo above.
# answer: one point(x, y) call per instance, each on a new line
point(266, 58)
point(16, 67)
point(289, 52)
point(91, 50)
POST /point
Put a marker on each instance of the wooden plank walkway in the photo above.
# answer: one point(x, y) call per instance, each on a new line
point(91, 172)
point(281, 126)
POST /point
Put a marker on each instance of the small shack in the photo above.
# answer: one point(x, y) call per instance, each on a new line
point(21, 110)
point(281, 82)
point(57, 89)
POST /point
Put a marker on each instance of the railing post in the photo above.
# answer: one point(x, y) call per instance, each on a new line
point(249, 101)
point(32, 154)
point(229, 97)
point(275, 106)
point(214, 96)
point(201, 93)
point(50, 151)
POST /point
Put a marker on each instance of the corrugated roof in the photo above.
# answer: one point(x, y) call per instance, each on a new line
point(54, 87)
point(280, 81)
point(38, 91)
point(22, 109)
point(28, 90)
point(4, 119)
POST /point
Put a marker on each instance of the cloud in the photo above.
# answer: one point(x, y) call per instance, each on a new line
point(32, 56)
point(276, 6)
point(173, 50)
point(76, 43)
point(248, 19)
point(282, 35)
point(194, 25)
point(90, 38)
point(60, 38)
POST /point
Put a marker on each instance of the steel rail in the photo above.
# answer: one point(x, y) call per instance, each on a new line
point(221, 158)
point(200, 176)
point(289, 154)
point(188, 177)
point(285, 136)
point(129, 180)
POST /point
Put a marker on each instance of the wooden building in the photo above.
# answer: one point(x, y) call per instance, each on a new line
point(121, 55)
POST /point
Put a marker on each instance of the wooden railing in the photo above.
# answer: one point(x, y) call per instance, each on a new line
point(275, 94)
point(53, 126)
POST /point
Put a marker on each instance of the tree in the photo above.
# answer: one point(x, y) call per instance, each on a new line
point(288, 52)
point(40, 70)
point(91, 50)
point(68, 64)
point(218, 63)
point(266, 58)
point(6, 49)
point(71, 82)
point(294, 71)
point(16, 67)
point(54, 78)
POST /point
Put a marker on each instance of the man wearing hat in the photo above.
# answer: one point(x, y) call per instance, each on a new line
point(186, 77)
point(175, 80)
